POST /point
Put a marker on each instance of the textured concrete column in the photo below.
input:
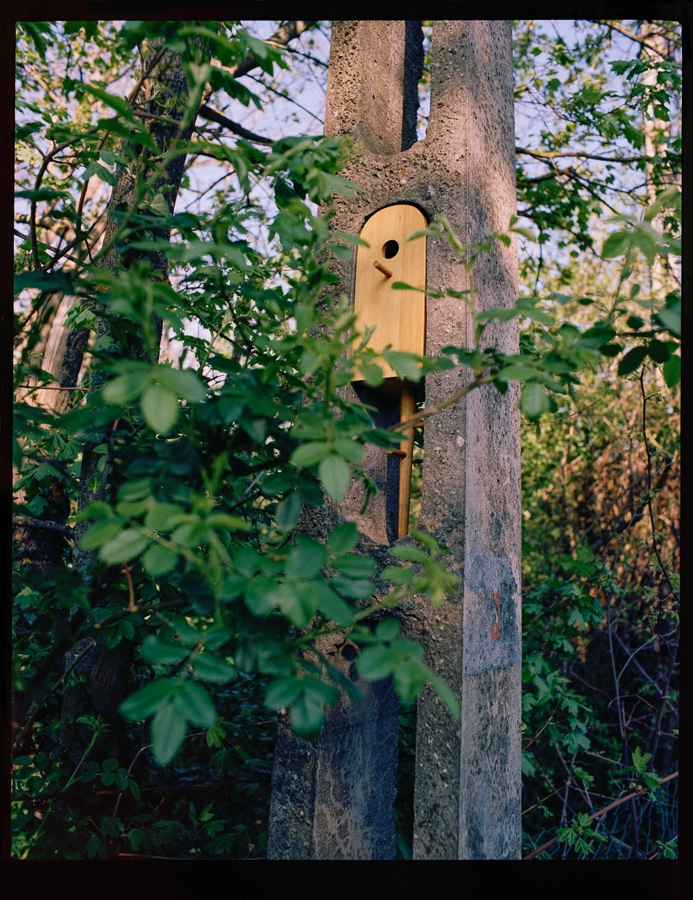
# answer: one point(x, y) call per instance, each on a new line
point(332, 797)
point(467, 793)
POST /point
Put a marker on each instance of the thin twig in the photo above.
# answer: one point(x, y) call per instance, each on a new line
point(431, 410)
point(120, 794)
point(600, 812)
point(559, 154)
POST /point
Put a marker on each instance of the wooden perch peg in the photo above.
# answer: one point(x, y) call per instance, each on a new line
point(407, 410)
point(381, 268)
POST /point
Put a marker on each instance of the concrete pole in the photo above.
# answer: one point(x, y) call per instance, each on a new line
point(467, 789)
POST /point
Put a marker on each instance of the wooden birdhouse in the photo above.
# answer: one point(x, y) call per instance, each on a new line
point(398, 316)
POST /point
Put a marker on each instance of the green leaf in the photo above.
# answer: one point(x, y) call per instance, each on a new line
point(525, 233)
point(334, 475)
point(159, 205)
point(168, 731)
point(670, 318)
point(598, 335)
point(164, 517)
point(124, 388)
point(210, 667)
point(632, 360)
point(516, 373)
point(247, 561)
point(617, 244)
point(278, 483)
point(184, 383)
point(256, 429)
point(397, 575)
point(158, 560)
point(96, 846)
point(355, 588)
point(227, 521)
point(147, 700)
point(413, 554)
point(640, 759)
point(160, 652)
point(295, 600)
point(159, 408)
point(658, 351)
point(309, 454)
point(343, 538)
point(259, 595)
point(306, 716)
point(321, 690)
point(119, 104)
point(404, 364)
point(372, 374)
point(288, 511)
point(330, 603)
point(307, 558)
point(672, 371)
point(356, 566)
point(131, 508)
point(409, 677)
point(124, 546)
point(216, 734)
point(196, 704)
point(135, 490)
point(387, 630)
point(534, 400)
point(101, 172)
point(282, 692)
point(351, 450)
point(100, 532)
point(374, 663)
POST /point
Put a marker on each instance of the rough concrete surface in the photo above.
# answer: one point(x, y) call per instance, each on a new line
point(467, 792)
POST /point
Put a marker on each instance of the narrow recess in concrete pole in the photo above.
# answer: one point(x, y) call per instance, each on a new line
point(332, 798)
point(424, 85)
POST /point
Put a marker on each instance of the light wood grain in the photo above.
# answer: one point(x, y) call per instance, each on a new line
point(399, 317)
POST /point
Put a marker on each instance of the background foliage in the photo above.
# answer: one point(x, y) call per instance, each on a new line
point(178, 357)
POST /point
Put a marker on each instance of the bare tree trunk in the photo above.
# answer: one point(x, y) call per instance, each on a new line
point(657, 48)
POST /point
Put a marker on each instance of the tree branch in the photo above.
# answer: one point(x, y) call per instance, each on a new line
point(581, 154)
point(213, 116)
point(27, 522)
point(635, 37)
point(431, 410)
point(286, 33)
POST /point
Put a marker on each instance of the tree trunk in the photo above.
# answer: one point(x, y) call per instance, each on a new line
point(651, 32)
